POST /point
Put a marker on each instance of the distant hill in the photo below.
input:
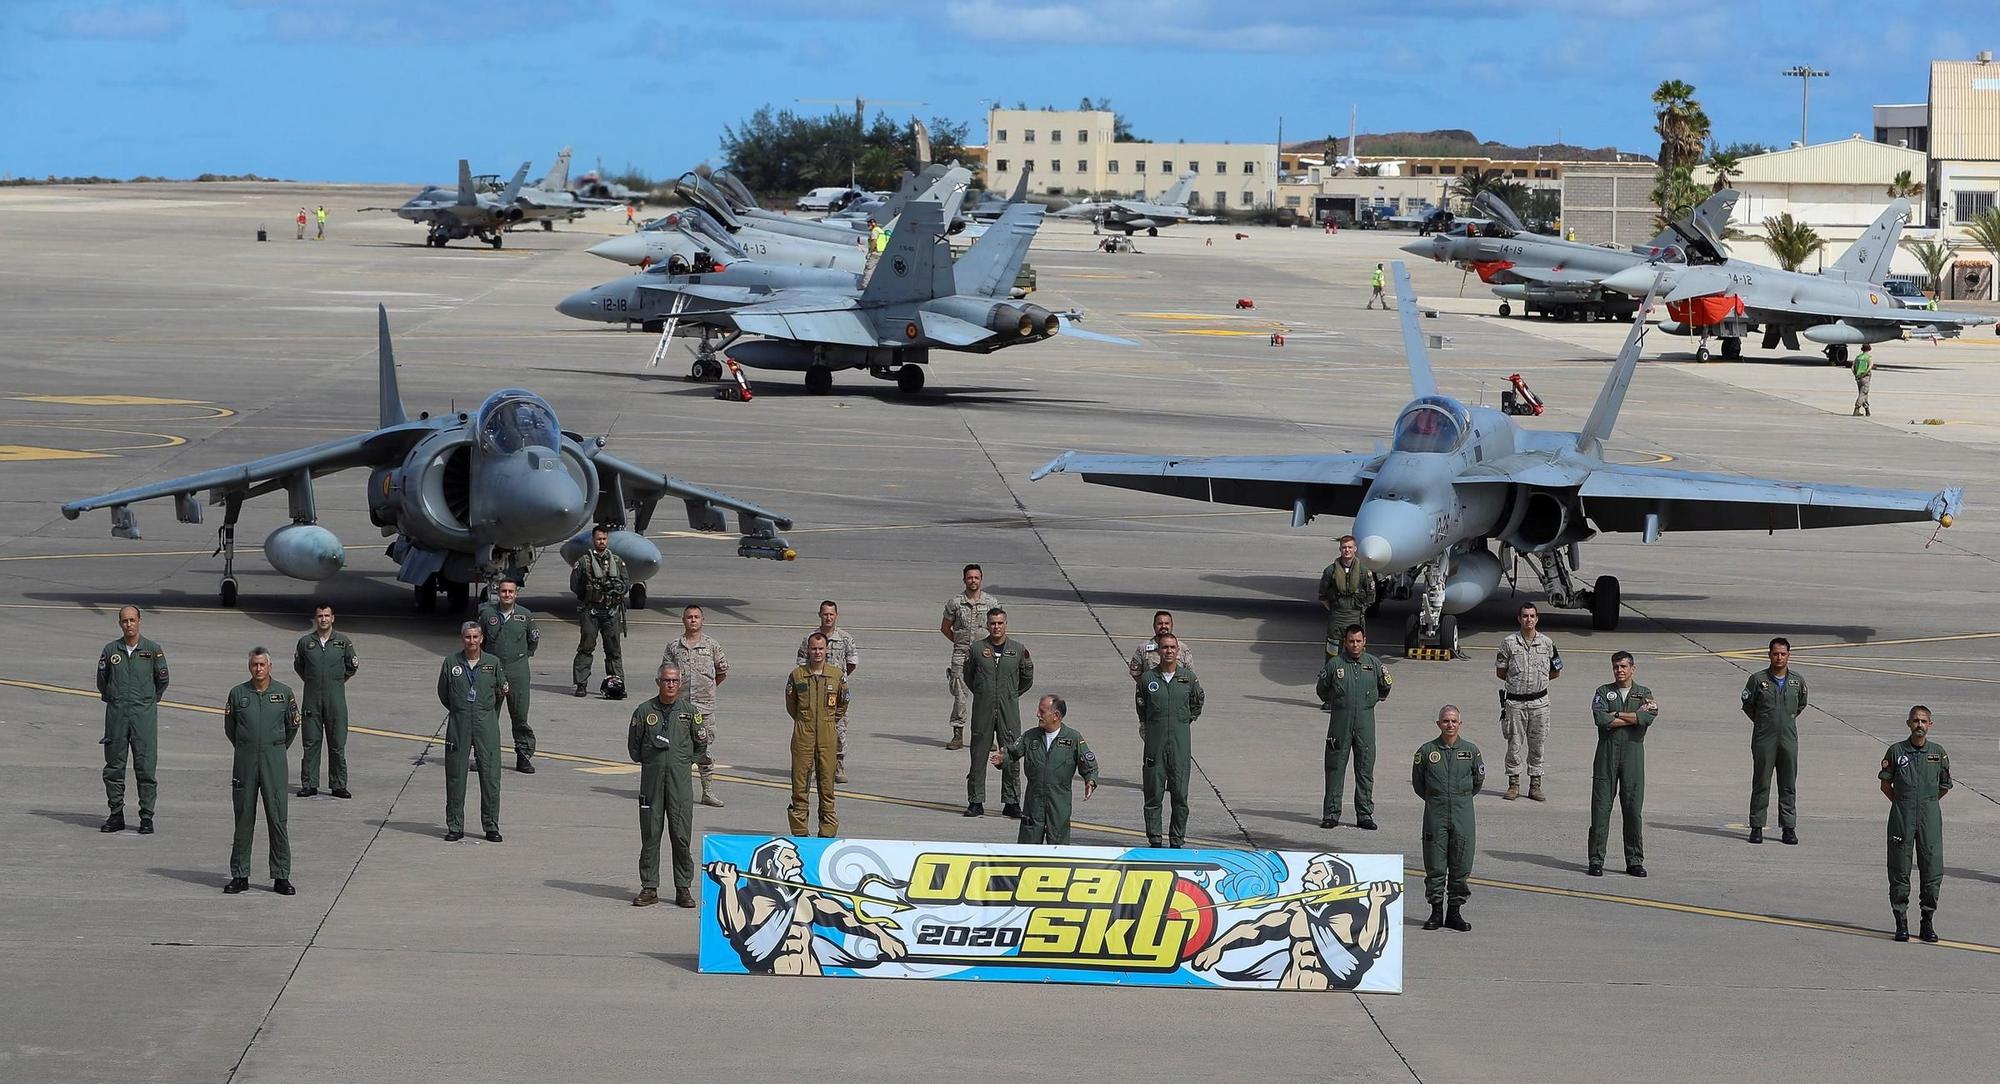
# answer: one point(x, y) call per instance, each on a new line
point(1459, 143)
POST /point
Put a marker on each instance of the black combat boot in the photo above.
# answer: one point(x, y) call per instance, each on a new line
point(1453, 920)
point(1928, 932)
point(1437, 917)
point(1902, 926)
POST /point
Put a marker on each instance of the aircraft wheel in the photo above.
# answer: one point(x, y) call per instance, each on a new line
point(711, 370)
point(652, 327)
point(1604, 604)
point(636, 598)
point(456, 595)
point(1152, 231)
point(1701, 353)
point(441, 240)
point(1836, 354)
point(1732, 349)
point(427, 593)
point(229, 591)
point(819, 380)
point(1506, 309)
point(1410, 634)
point(497, 239)
point(1448, 633)
point(1129, 233)
point(910, 379)
point(548, 226)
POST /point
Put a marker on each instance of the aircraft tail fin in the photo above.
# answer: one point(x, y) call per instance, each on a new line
point(1604, 413)
point(1709, 221)
point(1177, 196)
point(916, 266)
point(558, 178)
point(387, 392)
point(514, 186)
point(1021, 187)
point(1422, 381)
point(467, 196)
point(990, 265)
point(1867, 259)
point(921, 137)
point(914, 186)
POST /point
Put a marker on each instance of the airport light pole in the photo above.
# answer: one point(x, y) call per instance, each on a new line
point(1805, 76)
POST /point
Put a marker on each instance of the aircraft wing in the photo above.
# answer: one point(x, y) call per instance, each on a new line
point(257, 477)
point(1619, 498)
point(1891, 317)
point(641, 489)
point(833, 322)
point(1327, 484)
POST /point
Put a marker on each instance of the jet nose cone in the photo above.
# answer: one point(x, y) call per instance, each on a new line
point(630, 248)
point(1391, 535)
point(581, 305)
point(1421, 248)
point(535, 504)
point(1633, 281)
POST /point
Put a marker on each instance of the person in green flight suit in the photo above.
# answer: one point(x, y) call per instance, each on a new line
point(512, 636)
point(471, 685)
point(1916, 775)
point(324, 661)
point(131, 678)
point(602, 586)
point(1773, 698)
point(260, 718)
point(1168, 700)
point(1447, 774)
point(1054, 754)
point(1350, 685)
point(1624, 711)
point(1346, 590)
point(997, 670)
point(664, 741)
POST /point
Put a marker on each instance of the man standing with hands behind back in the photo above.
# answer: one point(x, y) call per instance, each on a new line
point(1772, 700)
point(324, 660)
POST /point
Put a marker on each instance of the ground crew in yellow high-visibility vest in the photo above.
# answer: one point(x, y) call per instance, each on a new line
point(319, 214)
point(878, 238)
point(1375, 283)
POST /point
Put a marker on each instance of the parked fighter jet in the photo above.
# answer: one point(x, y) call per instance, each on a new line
point(915, 299)
point(693, 234)
point(1843, 306)
point(1457, 479)
point(1133, 215)
point(467, 213)
point(1565, 278)
point(465, 498)
point(549, 199)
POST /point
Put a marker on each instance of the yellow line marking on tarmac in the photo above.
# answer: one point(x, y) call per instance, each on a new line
point(1760, 651)
point(1708, 912)
point(28, 453)
point(120, 553)
point(602, 766)
point(107, 400)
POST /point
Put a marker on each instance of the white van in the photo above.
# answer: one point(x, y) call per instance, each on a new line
point(822, 199)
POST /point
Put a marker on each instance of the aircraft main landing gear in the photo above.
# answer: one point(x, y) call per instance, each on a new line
point(225, 544)
point(1431, 634)
point(819, 380)
point(1602, 599)
point(910, 379)
point(636, 598)
point(1506, 309)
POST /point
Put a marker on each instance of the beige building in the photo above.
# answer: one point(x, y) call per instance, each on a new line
point(1837, 188)
point(1072, 152)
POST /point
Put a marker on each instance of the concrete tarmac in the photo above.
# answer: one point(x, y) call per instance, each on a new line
point(148, 335)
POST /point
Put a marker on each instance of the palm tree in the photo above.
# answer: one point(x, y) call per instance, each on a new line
point(1792, 241)
point(1985, 232)
point(1472, 182)
point(1674, 193)
point(1903, 187)
point(1682, 124)
point(1934, 256)
point(1727, 168)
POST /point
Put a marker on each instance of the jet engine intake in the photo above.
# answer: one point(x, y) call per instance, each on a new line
point(305, 551)
point(1544, 521)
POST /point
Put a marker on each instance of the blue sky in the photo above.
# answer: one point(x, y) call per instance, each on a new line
point(367, 90)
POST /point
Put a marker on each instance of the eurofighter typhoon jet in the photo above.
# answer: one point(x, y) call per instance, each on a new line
point(1457, 481)
point(464, 498)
